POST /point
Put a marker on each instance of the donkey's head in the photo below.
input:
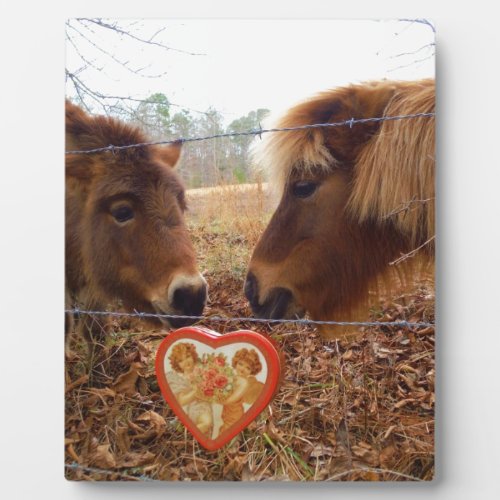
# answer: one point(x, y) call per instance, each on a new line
point(126, 235)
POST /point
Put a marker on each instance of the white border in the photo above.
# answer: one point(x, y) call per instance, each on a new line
point(31, 206)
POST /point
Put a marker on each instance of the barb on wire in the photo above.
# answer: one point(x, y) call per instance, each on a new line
point(258, 132)
point(404, 323)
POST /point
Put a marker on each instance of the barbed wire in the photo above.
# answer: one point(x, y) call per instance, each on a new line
point(142, 477)
point(259, 132)
point(298, 321)
point(95, 470)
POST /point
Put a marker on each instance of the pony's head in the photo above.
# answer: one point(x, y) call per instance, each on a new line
point(352, 200)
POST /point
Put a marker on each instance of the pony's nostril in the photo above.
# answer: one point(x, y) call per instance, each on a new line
point(189, 300)
point(277, 303)
point(251, 290)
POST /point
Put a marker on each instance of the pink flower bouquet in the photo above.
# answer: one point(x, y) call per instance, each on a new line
point(213, 378)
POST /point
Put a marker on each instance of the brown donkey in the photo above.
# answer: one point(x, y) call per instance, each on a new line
point(125, 233)
point(354, 199)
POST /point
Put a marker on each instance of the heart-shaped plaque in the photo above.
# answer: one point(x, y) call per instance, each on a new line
point(217, 384)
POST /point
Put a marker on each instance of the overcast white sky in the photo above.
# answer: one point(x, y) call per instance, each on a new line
point(250, 64)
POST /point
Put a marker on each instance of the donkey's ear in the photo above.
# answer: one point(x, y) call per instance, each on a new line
point(170, 153)
point(79, 167)
point(78, 129)
point(78, 124)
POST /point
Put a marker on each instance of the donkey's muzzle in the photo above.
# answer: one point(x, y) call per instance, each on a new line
point(188, 301)
point(278, 304)
point(186, 296)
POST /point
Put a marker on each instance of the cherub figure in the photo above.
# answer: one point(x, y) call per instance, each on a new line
point(246, 387)
point(183, 360)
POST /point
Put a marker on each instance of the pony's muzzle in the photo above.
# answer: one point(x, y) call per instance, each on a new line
point(279, 302)
point(251, 290)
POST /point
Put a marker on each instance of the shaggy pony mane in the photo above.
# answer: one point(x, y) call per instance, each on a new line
point(391, 162)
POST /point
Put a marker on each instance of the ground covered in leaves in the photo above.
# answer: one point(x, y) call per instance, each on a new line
point(346, 410)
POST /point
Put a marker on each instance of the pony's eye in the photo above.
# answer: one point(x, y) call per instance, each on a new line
point(122, 213)
point(303, 189)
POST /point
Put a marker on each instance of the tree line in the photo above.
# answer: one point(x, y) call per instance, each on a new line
point(204, 163)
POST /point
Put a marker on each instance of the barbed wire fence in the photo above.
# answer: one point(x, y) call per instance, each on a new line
point(142, 477)
point(221, 319)
point(256, 132)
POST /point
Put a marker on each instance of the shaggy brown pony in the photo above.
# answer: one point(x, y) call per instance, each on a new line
point(354, 199)
point(125, 233)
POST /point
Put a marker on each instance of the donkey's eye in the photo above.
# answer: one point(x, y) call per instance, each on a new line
point(122, 213)
point(303, 189)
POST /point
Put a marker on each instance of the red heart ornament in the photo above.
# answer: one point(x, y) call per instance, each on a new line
point(217, 384)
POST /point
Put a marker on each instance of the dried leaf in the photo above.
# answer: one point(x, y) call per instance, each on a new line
point(364, 445)
point(342, 435)
point(388, 432)
point(122, 438)
point(143, 387)
point(347, 355)
point(134, 427)
point(386, 456)
point(370, 475)
point(408, 368)
point(144, 351)
point(320, 450)
point(132, 459)
point(102, 392)
point(102, 457)
point(158, 423)
point(403, 402)
point(247, 474)
point(72, 453)
point(368, 454)
point(79, 381)
point(125, 383)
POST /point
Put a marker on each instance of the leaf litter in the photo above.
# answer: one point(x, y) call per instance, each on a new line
point(357, 410)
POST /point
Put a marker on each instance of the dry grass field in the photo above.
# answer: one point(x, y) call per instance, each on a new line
point(358, 410)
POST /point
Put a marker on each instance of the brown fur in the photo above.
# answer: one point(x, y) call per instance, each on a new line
point(135, 261)
point(374, 203)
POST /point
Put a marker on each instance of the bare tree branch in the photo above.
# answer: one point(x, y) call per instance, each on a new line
point(124, 64)
point(102, 24)
point(154, 34)
point(420, 21)
point(89, 63)
point(415, 51)
point(432, 44)
point(412, 253)
point(410, 64)
point(405, 207)
point(81, 88)
point(83, 36)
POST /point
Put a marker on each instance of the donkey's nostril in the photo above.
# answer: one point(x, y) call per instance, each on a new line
point(189, 300)
point(251, 289)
